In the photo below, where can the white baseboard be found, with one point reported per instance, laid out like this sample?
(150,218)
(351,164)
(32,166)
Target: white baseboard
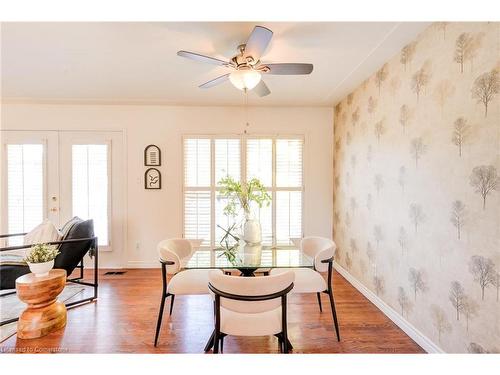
(427,344)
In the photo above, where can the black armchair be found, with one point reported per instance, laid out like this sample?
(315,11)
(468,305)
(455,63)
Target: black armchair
(78,242)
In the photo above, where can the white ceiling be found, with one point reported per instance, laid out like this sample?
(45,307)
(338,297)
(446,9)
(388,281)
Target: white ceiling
(137,62)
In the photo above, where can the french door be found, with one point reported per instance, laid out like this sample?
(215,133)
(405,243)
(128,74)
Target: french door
(30,180)
(57,175)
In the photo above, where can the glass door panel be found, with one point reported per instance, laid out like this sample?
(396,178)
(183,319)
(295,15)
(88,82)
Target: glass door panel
(29,181)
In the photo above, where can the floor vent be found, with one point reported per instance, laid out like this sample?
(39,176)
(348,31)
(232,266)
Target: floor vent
(115,273)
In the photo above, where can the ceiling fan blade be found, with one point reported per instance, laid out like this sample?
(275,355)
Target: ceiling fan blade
(202,58)
(261,89)
(215,81)
(289,68)
(257,42)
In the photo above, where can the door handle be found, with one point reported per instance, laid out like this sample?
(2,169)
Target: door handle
(53,209)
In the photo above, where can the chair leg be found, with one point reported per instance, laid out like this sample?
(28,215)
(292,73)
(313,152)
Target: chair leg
(285,342)
(160,316)
(284,324)
(210,342)
(334,313)
(216,343)
(280,342)
(172,303)
(319,301)
(222,344)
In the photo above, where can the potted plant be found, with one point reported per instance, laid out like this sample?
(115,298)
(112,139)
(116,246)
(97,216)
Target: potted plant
(240,196)
(40,259)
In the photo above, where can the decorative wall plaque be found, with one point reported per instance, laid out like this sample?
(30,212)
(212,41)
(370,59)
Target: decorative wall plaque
(152,179)
(152,156)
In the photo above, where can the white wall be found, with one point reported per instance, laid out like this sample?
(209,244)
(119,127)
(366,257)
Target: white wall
(155,215)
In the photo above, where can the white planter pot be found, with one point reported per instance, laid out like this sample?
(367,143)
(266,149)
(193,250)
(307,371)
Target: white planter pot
(41,269)
(252,232)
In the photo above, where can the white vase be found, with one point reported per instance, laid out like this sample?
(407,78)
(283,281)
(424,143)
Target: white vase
(252,232)
(41,269)
(252,254)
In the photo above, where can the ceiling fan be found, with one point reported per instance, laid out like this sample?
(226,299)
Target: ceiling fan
(247,69)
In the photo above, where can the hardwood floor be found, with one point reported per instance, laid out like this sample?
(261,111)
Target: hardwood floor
(124,317)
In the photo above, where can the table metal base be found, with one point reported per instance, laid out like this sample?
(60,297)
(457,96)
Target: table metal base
(247,272)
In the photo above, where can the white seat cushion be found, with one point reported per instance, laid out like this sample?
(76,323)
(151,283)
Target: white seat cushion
(250,324)
(189,282)
(307,280)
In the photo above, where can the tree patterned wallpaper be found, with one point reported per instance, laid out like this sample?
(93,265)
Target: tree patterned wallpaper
(417,186)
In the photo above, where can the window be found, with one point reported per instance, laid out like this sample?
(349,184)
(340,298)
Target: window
(197,193)
(276,162)
(288,196)
(25,190)
(90,191)
(260,160)
(227,159)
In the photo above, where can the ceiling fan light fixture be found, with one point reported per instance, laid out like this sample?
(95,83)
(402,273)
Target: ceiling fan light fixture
(246,67)
(245,79)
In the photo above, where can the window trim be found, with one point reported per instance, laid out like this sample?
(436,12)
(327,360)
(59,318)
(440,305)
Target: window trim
(243,174)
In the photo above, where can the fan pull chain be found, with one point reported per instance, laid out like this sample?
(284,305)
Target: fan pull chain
(247,124)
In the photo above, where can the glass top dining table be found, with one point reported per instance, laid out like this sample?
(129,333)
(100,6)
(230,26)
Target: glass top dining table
(248,257)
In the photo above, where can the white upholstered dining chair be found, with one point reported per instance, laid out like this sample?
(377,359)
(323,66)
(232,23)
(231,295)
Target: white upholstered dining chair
(250,306)
(307,280)
(174,254)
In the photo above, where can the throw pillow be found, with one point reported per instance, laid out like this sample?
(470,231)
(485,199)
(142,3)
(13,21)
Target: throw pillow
(43,233)
(73,252)
(69,224)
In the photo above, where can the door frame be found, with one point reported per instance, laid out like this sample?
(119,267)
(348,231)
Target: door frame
(108,259)
(113,256)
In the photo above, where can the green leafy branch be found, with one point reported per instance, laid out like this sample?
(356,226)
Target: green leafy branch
(229,248)
(242,194)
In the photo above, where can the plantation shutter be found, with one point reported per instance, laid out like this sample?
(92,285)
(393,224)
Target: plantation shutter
(227,159)
(289,190)
(276,162)
(260,160)
(90,191)
(197,193)
(260,165)
(289,163)
(197,216)
(197,163)
(25,191)
(227,164)
(288,216)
